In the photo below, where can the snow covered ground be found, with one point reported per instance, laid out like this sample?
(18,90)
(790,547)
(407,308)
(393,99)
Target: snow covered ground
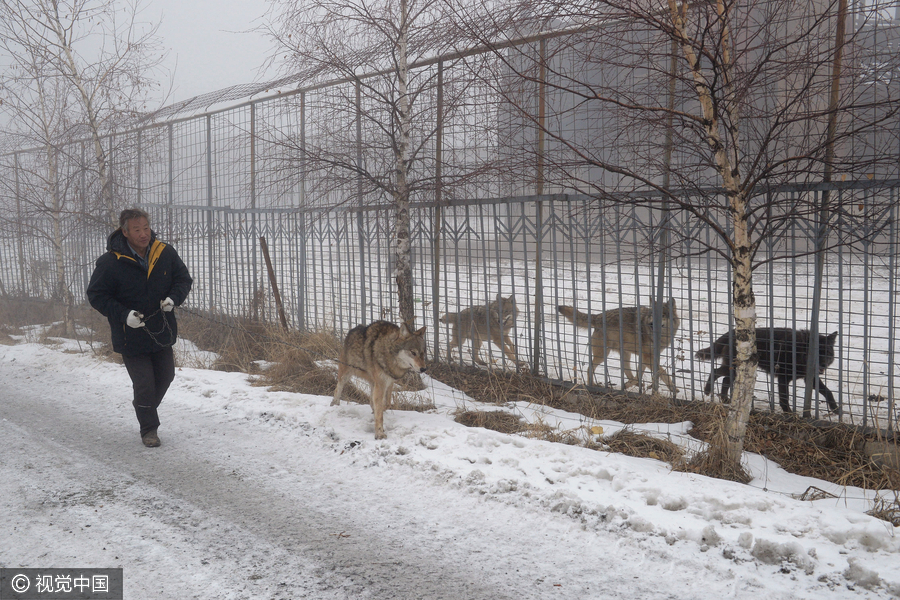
(258,494)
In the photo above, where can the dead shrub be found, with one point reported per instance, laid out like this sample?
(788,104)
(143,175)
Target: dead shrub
(496,420)
(548,433)
(495,386)
(639,445)
(887,509)
(18,312)
(295,356)
(237,342)
(411,402)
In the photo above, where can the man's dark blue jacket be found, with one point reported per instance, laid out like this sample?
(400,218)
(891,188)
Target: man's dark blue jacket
(120,284)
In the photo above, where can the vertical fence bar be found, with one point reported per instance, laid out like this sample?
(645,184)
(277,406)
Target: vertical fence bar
(253,227)
(892,327)
(138,179)
(438,210)
(823,212)
(664,257)
(85,234)
(20,223)
(539,210)
(210,216)
(301,271)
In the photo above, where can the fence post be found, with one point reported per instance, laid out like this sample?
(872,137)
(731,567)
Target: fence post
(301,275)
(273,282)
(302,169)
(664,223)
(539,209)
(823,213)
(254,217)
(438,210)
(359,202)
(139,192)
(210,223)
(20,221)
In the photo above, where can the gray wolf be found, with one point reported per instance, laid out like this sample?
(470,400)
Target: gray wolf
(628,331)
(381,353)
(492,322)
(783,353)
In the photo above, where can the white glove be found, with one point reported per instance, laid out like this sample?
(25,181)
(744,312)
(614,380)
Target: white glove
(134,319)
(167,305)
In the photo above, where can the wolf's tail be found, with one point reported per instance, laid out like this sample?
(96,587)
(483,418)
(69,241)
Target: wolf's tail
(580,319)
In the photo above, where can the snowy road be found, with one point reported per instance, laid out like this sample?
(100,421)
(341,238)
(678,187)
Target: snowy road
(271,495)
(214,513)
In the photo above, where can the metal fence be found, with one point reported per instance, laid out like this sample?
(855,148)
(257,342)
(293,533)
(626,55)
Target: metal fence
(334,271)
(490,214)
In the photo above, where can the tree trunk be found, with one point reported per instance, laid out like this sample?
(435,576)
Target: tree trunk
(401,242)
(722,138)
(746,358)
(63,292)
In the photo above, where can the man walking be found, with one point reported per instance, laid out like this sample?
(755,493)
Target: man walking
(135,285)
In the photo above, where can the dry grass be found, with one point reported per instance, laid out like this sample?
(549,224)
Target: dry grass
(238,342)
(294,357)
(887,509)
(16,313)
(643,446)
(496,386)
(496,420)
(832,453)
(714,461)
(508,423)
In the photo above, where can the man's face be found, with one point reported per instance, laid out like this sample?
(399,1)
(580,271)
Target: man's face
(137,232)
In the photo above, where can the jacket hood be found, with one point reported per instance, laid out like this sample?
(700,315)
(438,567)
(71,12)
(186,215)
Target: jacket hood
(116,242)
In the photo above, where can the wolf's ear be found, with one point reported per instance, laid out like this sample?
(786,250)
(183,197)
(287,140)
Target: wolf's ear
(404,330)
(420,332)
(832,337)
(511,299)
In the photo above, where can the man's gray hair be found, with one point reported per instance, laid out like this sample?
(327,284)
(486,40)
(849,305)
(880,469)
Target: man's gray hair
(132,213)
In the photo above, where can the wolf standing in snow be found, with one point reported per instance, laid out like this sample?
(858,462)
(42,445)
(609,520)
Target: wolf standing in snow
(381,353)
(628,331)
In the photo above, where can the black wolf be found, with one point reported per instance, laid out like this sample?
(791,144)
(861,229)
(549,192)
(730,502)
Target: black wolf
(783,354)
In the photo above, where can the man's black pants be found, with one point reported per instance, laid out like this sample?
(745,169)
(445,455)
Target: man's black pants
(150,375)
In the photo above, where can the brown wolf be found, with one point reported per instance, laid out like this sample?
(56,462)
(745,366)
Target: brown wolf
(628,332)
(380,353)
(492,322)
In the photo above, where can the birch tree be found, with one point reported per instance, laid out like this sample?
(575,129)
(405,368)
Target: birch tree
(103,53)
(760,98)
(72,70)
(370,46)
